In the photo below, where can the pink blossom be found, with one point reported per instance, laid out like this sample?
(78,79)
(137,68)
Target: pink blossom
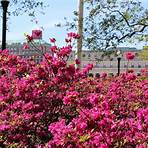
(68,40)
(77,61)
(29,38)
(4,127)
(81,126)
(64,51)
(36,34)
(56,104)
(52,40)
(130,55)
(73,35)
(104,75)
(26,46)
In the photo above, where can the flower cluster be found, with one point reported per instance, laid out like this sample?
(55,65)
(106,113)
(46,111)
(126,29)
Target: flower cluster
(54,104)
(31,94)
(130,55)
(111,113)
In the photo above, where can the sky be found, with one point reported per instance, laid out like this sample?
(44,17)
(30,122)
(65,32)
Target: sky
(54,13)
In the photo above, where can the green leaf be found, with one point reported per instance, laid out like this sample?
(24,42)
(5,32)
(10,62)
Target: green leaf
(84,138)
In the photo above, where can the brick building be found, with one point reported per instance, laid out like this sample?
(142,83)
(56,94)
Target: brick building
(102,63)
(32,52)
(108,63)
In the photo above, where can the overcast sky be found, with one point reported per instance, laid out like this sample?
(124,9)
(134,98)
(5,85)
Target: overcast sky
(55,13)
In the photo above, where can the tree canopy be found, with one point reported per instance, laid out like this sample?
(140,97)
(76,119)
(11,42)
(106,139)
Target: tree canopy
(30,7)
(110,22)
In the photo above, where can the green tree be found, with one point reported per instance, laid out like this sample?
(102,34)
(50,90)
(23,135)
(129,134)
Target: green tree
(108,23)
(144,53)
(30,7)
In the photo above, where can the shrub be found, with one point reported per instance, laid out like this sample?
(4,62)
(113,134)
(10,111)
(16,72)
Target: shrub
(53,104)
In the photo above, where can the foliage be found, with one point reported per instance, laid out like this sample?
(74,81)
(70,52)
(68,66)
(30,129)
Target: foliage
(112,113)
(30,7)
(108,23)
(53,104)
(31,95)
(144,53)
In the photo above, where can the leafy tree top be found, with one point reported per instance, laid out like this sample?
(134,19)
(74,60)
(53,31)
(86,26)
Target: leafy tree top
(108,23)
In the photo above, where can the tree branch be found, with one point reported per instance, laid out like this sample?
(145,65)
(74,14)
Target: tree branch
(133,33)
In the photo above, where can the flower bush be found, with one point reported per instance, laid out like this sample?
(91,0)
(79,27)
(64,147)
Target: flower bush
(31,95)
(53,104)
(111,113)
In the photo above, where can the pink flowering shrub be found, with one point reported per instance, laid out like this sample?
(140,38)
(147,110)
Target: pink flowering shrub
(53,104)
(31,95)
(111,113)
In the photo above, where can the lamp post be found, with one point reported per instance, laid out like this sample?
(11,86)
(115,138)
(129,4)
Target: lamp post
(4,4)
(119,60)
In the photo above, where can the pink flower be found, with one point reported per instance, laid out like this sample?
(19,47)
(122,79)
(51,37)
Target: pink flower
(67,100)
(130,71)
(29,38)
(104,75)
(95,114)
(77,61)
(81,126)
(68,40)
(131,76)
(130,55)
(144,72)
(94,98)
(36,34)
(73,35)
(89,66)
(26,46)
(52,40)
(141,146)
(4,127)
(70,97)
(53,48)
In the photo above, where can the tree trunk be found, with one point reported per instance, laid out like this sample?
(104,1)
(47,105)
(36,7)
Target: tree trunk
(80,30)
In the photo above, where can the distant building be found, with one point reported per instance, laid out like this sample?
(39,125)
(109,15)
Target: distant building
(108,63)
(35,51)
(102,63)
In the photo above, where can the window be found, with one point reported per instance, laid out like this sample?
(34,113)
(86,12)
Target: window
(97,75)
(146,65)
(132,65)
(95,55)
(91,75)
(111,65)
(97,65)
(83,55)
(84,65)
(104,66)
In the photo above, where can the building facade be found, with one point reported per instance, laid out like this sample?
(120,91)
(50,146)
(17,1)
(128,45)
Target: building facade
(102,62)
(34,51)
(108,63)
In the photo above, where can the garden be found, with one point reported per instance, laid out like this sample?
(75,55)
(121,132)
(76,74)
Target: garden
(54,104)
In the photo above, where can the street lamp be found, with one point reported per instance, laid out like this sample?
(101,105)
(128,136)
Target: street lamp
(4,4)
(119,60)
